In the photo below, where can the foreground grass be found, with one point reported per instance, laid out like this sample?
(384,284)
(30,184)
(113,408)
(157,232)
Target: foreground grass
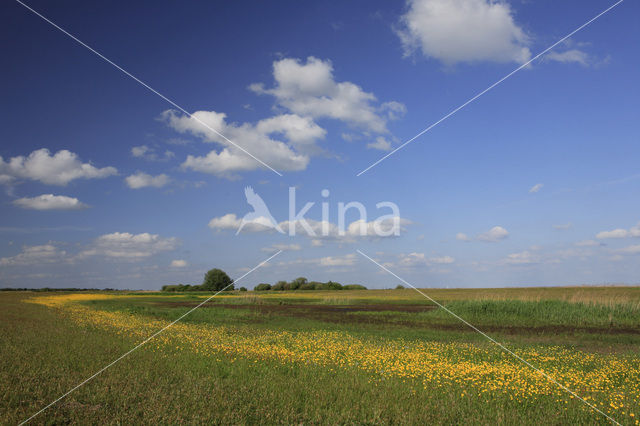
(267,372)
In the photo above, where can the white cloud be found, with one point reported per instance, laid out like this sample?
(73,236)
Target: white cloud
(634,231)
(347,260)
(442,260)
(318,231)
(494,235)
(50,202)
(179,263)
(260,140)
(284,247)
(309,89)
(231,222)
(631,250)
(35,255)
(616,233)
(381,144)
(420,259)
(126,246)
(148,153)
(522,258)
(328,261)
(535,188)
(143,180)
(322,230)
(461,236)
(454,31)
(228,221)
(58,169)
(569,56)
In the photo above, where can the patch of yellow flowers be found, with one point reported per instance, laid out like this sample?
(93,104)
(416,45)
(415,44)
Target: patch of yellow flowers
(610,382)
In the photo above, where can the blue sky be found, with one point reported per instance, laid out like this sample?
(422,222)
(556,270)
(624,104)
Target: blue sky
(105,184)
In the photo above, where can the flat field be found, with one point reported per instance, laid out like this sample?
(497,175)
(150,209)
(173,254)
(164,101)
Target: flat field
(374,356)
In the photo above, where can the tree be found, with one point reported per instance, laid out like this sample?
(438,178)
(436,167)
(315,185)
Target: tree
(243,289)
(216,280)
(280,285)
(297,283)
(262,287)
(334,286)
(353,287)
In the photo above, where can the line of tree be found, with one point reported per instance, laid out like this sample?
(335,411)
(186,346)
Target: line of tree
(218,280)
(301,283)
(214,280)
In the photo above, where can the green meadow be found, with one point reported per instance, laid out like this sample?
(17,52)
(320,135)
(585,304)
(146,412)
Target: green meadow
(374,357)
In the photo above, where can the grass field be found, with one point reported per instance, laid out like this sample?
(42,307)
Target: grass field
(375,356)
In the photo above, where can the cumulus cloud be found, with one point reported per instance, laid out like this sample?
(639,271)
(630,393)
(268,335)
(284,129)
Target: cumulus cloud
(461,236)
(150,154)
(281,247)
(310,89)
(630,250)
(569,56)
(143,180)
(380,144)
(327,261)
(420,259)
(231,222)
(523,258)
(615,233)
(454,31)
(535,188)
(284,142)
(179,263)
(35,255)
(347,260)
(495,234)
(318,230)
(378,228)
(58,169)
(126,246)
(50,202)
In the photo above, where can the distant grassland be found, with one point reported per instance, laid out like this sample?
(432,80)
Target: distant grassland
(375,356)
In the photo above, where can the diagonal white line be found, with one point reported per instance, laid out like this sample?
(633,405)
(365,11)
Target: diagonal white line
(128,74)
(148,339)
(491,87)
(492,340)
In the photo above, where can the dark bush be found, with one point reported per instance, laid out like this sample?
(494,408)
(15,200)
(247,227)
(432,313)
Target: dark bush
(262,287)
(353,287)
(279,286)
(334,286)
(217,280)
(307,286)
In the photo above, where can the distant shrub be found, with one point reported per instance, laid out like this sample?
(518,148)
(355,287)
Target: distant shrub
(262,287)
(353,287)
(333,286)
(243,289)
(399,287)
(307,286)
(279,286)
